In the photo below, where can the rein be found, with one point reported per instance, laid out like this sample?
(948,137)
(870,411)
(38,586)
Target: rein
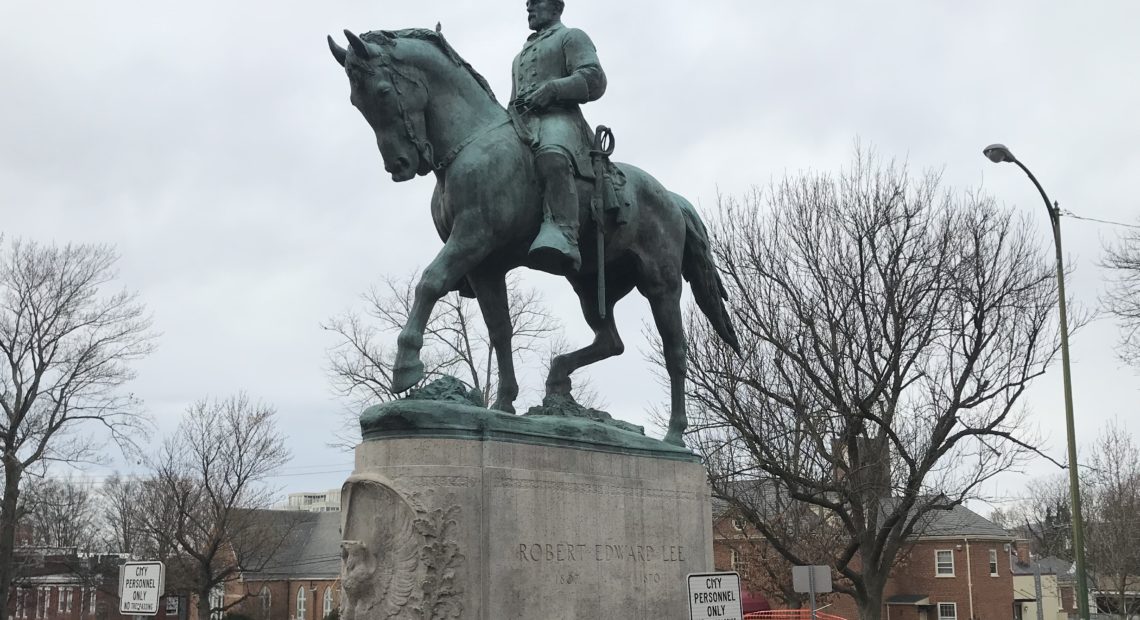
(453,153)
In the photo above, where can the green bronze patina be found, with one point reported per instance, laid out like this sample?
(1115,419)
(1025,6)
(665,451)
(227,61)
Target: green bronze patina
(431,112)
(452,420)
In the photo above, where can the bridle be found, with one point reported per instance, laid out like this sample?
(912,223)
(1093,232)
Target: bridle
(424,147)
(379,63)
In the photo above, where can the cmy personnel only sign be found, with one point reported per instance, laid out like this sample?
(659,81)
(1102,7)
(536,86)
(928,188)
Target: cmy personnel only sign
(715,596)
(141,585)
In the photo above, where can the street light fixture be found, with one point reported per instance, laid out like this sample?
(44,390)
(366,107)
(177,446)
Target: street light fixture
(998,153)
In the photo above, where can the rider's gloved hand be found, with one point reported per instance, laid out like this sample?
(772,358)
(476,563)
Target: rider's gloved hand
(544,96)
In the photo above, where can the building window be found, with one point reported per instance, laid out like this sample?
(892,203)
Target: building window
(172,606)
(217,602)
(738,524)
(91,601)
(266,601)
(70,593)
(300,603)
(59,594)
(328,603)
(739,564)
(993,563)
(948,611)
(20,595)
(944,563)
(43,601)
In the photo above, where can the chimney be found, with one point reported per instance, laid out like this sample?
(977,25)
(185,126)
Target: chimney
(1022,552)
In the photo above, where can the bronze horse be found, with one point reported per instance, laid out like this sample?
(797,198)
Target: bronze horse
(433,113)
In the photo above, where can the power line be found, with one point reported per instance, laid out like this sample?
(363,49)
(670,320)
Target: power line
(1068,213)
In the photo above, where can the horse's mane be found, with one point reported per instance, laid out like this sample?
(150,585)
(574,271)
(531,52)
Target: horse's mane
(437,39)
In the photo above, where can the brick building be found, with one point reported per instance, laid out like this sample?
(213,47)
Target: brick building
(303,580)
(56,584)
(960,568)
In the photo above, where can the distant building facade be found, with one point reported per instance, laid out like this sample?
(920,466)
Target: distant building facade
(1056,585)
(324,501)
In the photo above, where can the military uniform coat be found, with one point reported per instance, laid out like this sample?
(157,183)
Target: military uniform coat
(567,58)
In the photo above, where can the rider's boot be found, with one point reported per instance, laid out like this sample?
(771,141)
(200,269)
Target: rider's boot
(555,249)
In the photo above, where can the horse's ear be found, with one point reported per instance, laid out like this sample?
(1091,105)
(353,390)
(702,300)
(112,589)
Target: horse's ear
(338,52)
(358,45)
(438,28)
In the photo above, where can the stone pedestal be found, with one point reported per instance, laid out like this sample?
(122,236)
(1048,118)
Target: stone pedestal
(498,528)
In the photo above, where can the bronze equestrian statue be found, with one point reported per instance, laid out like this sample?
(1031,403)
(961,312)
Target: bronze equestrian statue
(502,190)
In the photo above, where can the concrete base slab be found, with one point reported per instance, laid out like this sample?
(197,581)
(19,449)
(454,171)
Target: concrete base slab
(497,530)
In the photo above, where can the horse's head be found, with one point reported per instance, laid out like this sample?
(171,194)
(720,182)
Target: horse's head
(393,100)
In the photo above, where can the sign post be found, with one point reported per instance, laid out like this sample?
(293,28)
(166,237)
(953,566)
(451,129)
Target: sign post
(715,596)
(141,585)
(811,579)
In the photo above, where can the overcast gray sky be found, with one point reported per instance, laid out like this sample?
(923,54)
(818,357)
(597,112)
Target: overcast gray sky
(213,144)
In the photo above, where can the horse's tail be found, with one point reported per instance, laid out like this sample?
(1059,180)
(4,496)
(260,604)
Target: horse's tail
(698,268)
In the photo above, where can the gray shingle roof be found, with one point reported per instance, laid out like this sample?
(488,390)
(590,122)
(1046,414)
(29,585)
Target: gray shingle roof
(1049,566)
(958,521)
(312,550)
(961,521)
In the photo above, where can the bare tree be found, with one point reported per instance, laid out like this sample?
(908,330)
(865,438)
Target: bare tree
(1045,516)
(1123,296)
(120,522)
(205,503)
(888,329)
(455,343)
(1113,540)
(66,345)
(61,513)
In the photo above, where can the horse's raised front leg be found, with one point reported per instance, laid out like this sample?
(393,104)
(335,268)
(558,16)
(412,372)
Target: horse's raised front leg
(458,257)
(666,306)
(491,291)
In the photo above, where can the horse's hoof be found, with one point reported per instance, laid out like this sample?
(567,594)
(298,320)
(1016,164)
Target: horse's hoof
(504,406)
(405,377)
(675,438)
(558,387)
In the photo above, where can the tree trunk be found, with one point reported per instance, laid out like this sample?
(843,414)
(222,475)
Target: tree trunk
(8,521)
(204,604)
(871,609)
(871,605)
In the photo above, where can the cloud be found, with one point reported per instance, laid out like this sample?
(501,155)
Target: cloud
(213,144)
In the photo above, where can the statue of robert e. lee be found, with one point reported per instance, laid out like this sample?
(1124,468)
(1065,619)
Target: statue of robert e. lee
(556,71)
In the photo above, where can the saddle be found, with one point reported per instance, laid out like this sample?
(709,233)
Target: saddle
(608,180)
(615,198)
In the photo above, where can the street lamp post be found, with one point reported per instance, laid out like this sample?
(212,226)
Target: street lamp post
(998,153)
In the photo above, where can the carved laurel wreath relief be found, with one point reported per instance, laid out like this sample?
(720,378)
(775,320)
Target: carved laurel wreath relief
(399,561)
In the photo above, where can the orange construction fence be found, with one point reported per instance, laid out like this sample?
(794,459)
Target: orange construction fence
(790,614)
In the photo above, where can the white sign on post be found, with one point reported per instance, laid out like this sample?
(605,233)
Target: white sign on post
(715,596)
(140,587)
(811,578)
